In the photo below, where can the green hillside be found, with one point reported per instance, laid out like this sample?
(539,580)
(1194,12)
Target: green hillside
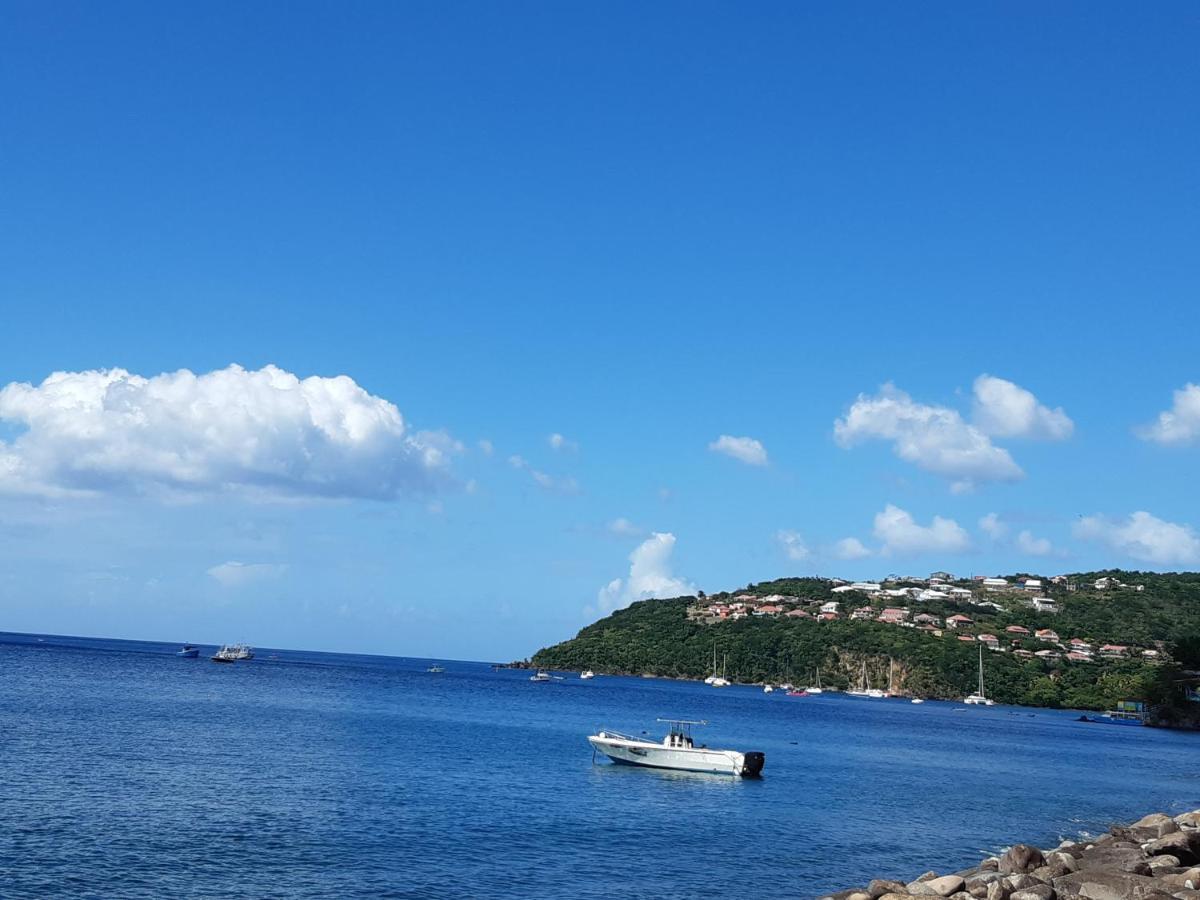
(657,637)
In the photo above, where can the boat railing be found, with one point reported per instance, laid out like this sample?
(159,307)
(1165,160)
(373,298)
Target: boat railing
(608,732)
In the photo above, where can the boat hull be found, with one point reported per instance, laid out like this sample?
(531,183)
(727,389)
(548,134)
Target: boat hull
(189,654)
(692,759)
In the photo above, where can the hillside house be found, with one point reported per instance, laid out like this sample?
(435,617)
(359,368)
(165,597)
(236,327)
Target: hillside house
(927,619)
(893,616)
(1023,654)
(1079,645)
(959,621)
(995,584)
(1114,651)
(941,576)
(1044,605)
(931,594)
(990,641)
(967,638)
(1032,584)
(1106,583)
(1075,656)
(1048,654)
(1047,635)
(831,607)
(1017,629)
(828,617)
(768,609)
(1151,654)
(863,612)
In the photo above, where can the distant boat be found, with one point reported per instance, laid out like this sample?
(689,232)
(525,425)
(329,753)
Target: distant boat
(435,669)
(587,674)
(188,652)
(816,689)
(864,688)
(979,698)
(767,689)
(917,700)
(676,751)
(1128,712)
(226,654)
(714,679)
(794,693)
(542,676)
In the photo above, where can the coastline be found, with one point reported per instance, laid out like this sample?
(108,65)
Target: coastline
(1154,858)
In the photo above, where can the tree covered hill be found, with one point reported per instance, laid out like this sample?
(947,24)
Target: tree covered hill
(657,637)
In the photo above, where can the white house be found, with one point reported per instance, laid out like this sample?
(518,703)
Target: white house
(995,584)
(831,607)
(1045,604)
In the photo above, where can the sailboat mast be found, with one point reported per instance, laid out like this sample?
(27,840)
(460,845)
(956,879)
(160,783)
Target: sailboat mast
(981,670)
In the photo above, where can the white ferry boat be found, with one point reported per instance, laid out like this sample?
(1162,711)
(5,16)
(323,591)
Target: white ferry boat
(677,751)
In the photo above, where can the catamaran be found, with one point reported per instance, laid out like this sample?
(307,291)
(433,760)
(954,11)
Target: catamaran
(864,689)
(714,679)
(979,698)
(676,751)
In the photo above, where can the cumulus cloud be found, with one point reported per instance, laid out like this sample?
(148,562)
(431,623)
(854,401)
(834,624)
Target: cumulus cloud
(649,576)
(1143,537)
(792,544)
(1034,546)
(743,449)
(238,574)
(993,527)
(547,482)
(486,447)
(1004,409)
(558,443)
(902,535)
(934,438)
(266,433)
(850,548)
(1181,423)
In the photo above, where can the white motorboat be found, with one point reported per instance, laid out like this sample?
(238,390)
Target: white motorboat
(979,698)
(542,676)
(435,669)
(767,689)
(588,674)
(226,654)
(676,751)
(241,651)
(917,700)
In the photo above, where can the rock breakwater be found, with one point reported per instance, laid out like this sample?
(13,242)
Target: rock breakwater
(1155,858)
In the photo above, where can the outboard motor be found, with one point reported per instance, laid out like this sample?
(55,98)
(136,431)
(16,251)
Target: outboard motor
(752,764)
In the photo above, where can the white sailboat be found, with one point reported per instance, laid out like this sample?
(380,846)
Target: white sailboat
(676,751)
(864,689)
(979,698)
(718,680)
(817,689)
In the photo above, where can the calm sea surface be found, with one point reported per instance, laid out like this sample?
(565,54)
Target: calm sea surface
(126,772)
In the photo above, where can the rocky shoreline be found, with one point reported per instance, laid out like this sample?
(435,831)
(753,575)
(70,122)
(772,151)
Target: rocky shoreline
(1155,858)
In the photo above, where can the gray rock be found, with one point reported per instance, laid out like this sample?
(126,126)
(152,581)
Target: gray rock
(978,890)
(1100,885)
(880,886)
(1038,892)
(1118,860)
(1167,827)
(998,890)
(1152,821)
(936,887)
(1186,894)
(1050,871)
(1020,882)
(1184,845)
(928,876)
(1164,861)
(1061,858)
(1188,819)
(903,896)
(859,895)
(984,878)
(1020,858)
(991,864)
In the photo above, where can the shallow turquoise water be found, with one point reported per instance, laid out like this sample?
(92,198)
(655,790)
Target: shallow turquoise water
(125,771)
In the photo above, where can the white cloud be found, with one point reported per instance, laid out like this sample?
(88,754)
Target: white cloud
(934,438)
(850,548)
(743,449)
(547,482)
(993,527)
(622,527)
(1033,546)
(1004,409)
(558,443)
(239,574)
(792,544)
(901,535)
(649,576)
(265,433)
(1181,423)
(1143,537)
(486,447)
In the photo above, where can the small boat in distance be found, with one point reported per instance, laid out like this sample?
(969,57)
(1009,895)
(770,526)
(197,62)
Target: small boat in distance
(588,673)
(714,679)
(676,751)
(225,654)
(917,700)
(795,693)
(864,688)
(816,689)
(435,669)
(979,698)
(188,652)
(767,688)
(542,676)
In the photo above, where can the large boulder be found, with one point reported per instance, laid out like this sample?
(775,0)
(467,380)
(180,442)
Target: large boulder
(998,890)
(1152,821)
(1021,858)
(881,886)
(937,887)
(1061,858)
(1116,860)
(1188,819)
(1037,892)
(1185,845)
(1097,884)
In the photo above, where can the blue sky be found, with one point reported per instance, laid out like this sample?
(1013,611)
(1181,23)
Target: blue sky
(639,227)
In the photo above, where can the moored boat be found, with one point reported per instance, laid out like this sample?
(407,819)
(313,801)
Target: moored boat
(979,698)
(435,669)
(587,674)
(795,693)
(676,751)
(225,654)
(187,651)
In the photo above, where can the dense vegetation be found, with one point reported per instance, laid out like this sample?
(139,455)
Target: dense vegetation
(656,637)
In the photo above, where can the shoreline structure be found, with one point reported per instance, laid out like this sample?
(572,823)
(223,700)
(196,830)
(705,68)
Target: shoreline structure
(1155,858)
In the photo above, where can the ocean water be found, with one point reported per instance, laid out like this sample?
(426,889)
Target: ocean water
(126,772)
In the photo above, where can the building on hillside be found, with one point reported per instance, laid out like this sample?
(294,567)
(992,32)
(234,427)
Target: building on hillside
(1105,583)
(863,612)
(1023,654)
(1076,656)
(930,594)
(959,621)
(894,616)
(926,619)
(831,607)
(990,641)
(828,617)
(868,587)
(798,614)
(768,609)
(1017,629)
(1048,654)
(1044,604)
(1047,635)
(967,638)
(1151,654)
(940,576)
(1080,644)
(959,593)
(1032,584)
(1114,651)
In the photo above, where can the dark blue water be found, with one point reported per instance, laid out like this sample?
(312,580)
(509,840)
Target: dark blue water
(127,772)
